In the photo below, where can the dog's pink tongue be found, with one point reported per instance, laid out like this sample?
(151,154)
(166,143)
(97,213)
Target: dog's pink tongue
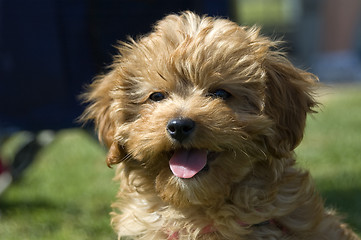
(187,163)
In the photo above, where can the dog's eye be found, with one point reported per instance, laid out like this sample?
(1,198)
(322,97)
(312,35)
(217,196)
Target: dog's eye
(157,96)
(220,93)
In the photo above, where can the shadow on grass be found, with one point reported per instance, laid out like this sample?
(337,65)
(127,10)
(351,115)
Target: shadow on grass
(7,207)
(37,217)
(347,203)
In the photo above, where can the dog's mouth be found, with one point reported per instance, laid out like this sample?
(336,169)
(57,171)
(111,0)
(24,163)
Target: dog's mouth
(186,163)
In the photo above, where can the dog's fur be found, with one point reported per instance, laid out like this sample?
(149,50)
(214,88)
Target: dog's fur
(250,188)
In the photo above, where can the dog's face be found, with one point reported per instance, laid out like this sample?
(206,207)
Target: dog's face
(193,107)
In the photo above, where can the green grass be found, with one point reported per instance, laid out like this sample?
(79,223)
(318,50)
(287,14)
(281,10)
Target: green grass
(266,13)
(331,149)
(66,193)
(260,11)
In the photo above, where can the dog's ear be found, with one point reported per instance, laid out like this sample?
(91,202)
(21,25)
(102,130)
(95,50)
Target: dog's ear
(99,110)
(116,154)
(288,98)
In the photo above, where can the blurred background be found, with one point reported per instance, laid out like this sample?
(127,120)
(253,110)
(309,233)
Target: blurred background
(54,183)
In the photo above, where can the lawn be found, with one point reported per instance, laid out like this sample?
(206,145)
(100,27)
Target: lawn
(66,193)
(332,150)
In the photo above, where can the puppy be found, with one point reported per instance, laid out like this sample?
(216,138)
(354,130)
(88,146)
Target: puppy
(202,116)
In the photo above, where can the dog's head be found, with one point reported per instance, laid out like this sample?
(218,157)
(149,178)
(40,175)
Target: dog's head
(192,106)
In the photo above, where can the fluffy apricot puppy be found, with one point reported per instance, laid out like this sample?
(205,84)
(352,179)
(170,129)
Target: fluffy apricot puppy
(202,117)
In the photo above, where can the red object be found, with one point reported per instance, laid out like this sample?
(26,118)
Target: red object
(3,168)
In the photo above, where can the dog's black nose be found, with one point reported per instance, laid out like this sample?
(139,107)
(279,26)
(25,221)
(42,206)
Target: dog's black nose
(180,128)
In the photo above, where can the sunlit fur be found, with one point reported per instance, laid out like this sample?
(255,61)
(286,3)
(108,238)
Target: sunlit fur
(253,177)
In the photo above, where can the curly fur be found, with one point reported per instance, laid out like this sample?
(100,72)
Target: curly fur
(253,177)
